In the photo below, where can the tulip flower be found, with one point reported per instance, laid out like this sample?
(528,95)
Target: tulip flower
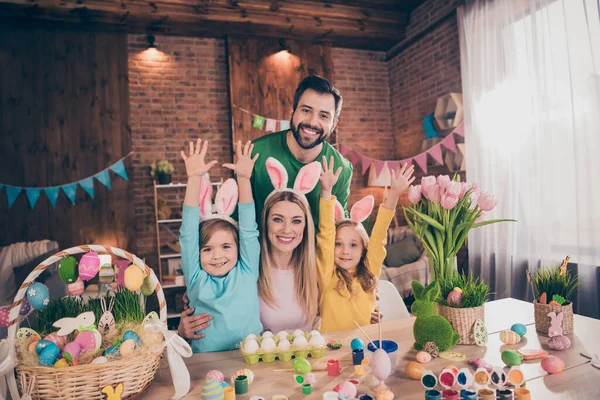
(487,201)
(414,194)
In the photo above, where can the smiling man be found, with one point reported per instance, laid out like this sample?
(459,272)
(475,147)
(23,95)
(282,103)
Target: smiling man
(317,106)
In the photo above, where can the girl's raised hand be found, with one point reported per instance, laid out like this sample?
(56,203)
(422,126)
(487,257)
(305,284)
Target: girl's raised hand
(245,164)
(328,177)
(402,178)
(194,163)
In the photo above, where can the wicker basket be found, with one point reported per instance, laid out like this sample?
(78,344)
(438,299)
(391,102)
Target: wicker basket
(542,320)
(85,382)
(462,320)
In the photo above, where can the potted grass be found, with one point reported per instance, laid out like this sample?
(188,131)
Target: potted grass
(461,302)
(162,170)
(552,290)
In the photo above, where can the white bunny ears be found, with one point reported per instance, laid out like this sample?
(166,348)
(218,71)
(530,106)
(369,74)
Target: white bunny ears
(305,182)
(359,212)
(225,200)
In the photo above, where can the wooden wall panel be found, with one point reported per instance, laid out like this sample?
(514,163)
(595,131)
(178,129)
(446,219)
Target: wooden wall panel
(263,79)
(63,117)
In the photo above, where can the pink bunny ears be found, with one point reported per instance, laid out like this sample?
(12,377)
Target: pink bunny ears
(305,182)
(225,200)
(359,212)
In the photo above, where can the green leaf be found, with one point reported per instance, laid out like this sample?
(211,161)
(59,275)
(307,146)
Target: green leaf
(492,221)
(427,219)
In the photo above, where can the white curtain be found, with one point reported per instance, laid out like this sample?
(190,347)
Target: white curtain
(531,84)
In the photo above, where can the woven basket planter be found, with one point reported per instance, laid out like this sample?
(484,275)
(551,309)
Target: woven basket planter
(542,320)
(85,382)
(462,320)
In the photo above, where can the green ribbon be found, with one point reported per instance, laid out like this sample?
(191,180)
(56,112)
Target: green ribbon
(87,328)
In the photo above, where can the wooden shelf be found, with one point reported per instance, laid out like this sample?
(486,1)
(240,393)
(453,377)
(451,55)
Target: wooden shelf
(171,286)
(171,255)
(168,221)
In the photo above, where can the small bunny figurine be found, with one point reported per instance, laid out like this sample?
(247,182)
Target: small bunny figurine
(107,320)
(27,387)
(113,393)
(555,324)
(428,326)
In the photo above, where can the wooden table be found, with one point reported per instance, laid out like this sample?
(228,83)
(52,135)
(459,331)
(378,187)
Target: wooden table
(578,381)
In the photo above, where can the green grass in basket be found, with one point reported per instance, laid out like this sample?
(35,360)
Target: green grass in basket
(127,306)
(55,310)
(551,282)
(475,291)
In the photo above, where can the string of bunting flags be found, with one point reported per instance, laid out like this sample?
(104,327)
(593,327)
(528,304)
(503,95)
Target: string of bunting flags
(420,159)
(69,189)
(268,124)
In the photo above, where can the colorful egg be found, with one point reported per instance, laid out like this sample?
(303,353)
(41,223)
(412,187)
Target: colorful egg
(106,274)
(559,343)
(132,335)
(216,375)
(100,360)
(4,312)
(26,333)
(67,270)
(381,364)
(112,351)
(151,315)
(25,306)
(42,344)
(480,333)
(348,389)
(414,370)
(49,355)
(301,365)
(212,390)
(134,277)
(127,347)
(509,337)
(423,357)
(454,297)
(552,364)
(89,340)
(519,329)
(147,286)
(121,275)
(62,363)
(77,288)
(89,265)
(57,340)
(511,358)
(71,350)
(245,372)
(38,295)
(357,344)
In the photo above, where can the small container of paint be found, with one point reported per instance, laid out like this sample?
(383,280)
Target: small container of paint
(333,367)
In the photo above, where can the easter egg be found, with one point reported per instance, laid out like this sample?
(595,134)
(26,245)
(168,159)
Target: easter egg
(267,334)
(251,336)
(282,335)
(42,344)
(38,295)
(57,340)
(519,329)
(552,364)
(26,333)
(511,358)
(88,340)
(147,286)
(72,350)
(317,341)
(32,346)
(357,344)
(268,344)
(300,342)
(134,277)
(67,270)
(454,297)
(112,351)
(25,306)
(414,370)
(212,390)
(250,346)
(480,333)
(89,265)
(49,355)
(132,335)
(509,337)
(62,363)
(121,275)
(559,343)
(284,345)
(423,357)
(216,375)
(301,365)
(246,372)
(100,360)
(151,315)
(4,312)
(127,347)
(348,389)
(381,364)
(106,274)
(76,288)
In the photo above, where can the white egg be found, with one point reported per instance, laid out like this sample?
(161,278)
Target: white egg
(282,335)
(317,341)
(298,332)
(284,345)
(300,342)
(250,346)
(267,334)
(251,336)
(268,344)
(315,332)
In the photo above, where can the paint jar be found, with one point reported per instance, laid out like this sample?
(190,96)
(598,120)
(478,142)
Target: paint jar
(330,395)
(522,394)
(433,395)
(307,388)
(390,347)
(333,367)
(450,394)
(357,356)
(359,370)
(504,394)
(468,395)
(279,397)
(241,384)
(229,393)
(486,394)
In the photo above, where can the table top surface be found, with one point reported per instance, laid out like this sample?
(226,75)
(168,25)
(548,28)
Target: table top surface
(579,380)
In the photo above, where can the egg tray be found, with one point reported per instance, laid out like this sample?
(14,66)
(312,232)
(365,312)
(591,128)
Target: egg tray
(283,356)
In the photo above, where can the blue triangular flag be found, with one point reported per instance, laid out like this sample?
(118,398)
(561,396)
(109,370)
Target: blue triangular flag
(33,194)
(284,124)
(11,194)
(104,178)
(119,169)
(52,193)
(71,191)
(430,131)
(88,186)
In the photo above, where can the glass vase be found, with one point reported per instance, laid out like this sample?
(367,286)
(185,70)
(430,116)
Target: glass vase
(441,268)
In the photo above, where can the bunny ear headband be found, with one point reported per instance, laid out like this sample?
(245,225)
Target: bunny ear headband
(359,212)
(305,182)
(225,200)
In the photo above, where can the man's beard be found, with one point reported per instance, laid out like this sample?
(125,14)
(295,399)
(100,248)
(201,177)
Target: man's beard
(307,143)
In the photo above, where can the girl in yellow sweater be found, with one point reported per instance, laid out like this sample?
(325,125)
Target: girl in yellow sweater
(348,262)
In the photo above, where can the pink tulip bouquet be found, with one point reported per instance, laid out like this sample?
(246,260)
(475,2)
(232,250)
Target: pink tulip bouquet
(442,214)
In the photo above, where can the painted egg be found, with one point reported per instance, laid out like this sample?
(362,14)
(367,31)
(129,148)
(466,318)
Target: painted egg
(559,343)
(147,286)
(216,375)
(511,358)
(89,265)
(25,306)
(300,342)
(498,377)
(414,370)
(62,363)
(317,341)
(268,344)
(42,344)
(357,344)
(151,315)
(100,360)
(519,329)
(87,340)
(381,364)
(38,295)
(250,346)
(121,275)
(480,333)
(67,270)
(127,347)
(26,333)
(72,350)
(112,351)
(4,312)
(465,378)
(284,345)
(447,378)
(552,364)
(454,297)
(423,357)
(77,288)
(134,277)
(348,389)
(132,335)
(57,340)
(49,355)
(106,274)
(282,335)
(267,334)
(509,337)
(246,372)
(298,332)
(301,365)
(32,346)
(212,390)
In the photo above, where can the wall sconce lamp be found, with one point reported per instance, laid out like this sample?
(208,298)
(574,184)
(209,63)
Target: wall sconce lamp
(151,44)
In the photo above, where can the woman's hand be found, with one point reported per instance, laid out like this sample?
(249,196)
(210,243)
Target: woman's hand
(194,163)
(190,324)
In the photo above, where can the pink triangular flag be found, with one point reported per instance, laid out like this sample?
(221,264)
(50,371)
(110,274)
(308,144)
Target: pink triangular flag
(460,130)
(344,149)
(271,125)
(356,157)
(393,165)
(378,167)
(366,163)
(450,143)
(436,153)
(421,161)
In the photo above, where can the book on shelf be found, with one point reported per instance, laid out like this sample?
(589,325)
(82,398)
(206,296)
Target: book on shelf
(173,280)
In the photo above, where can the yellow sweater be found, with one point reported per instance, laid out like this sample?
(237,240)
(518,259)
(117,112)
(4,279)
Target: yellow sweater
(338,309)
